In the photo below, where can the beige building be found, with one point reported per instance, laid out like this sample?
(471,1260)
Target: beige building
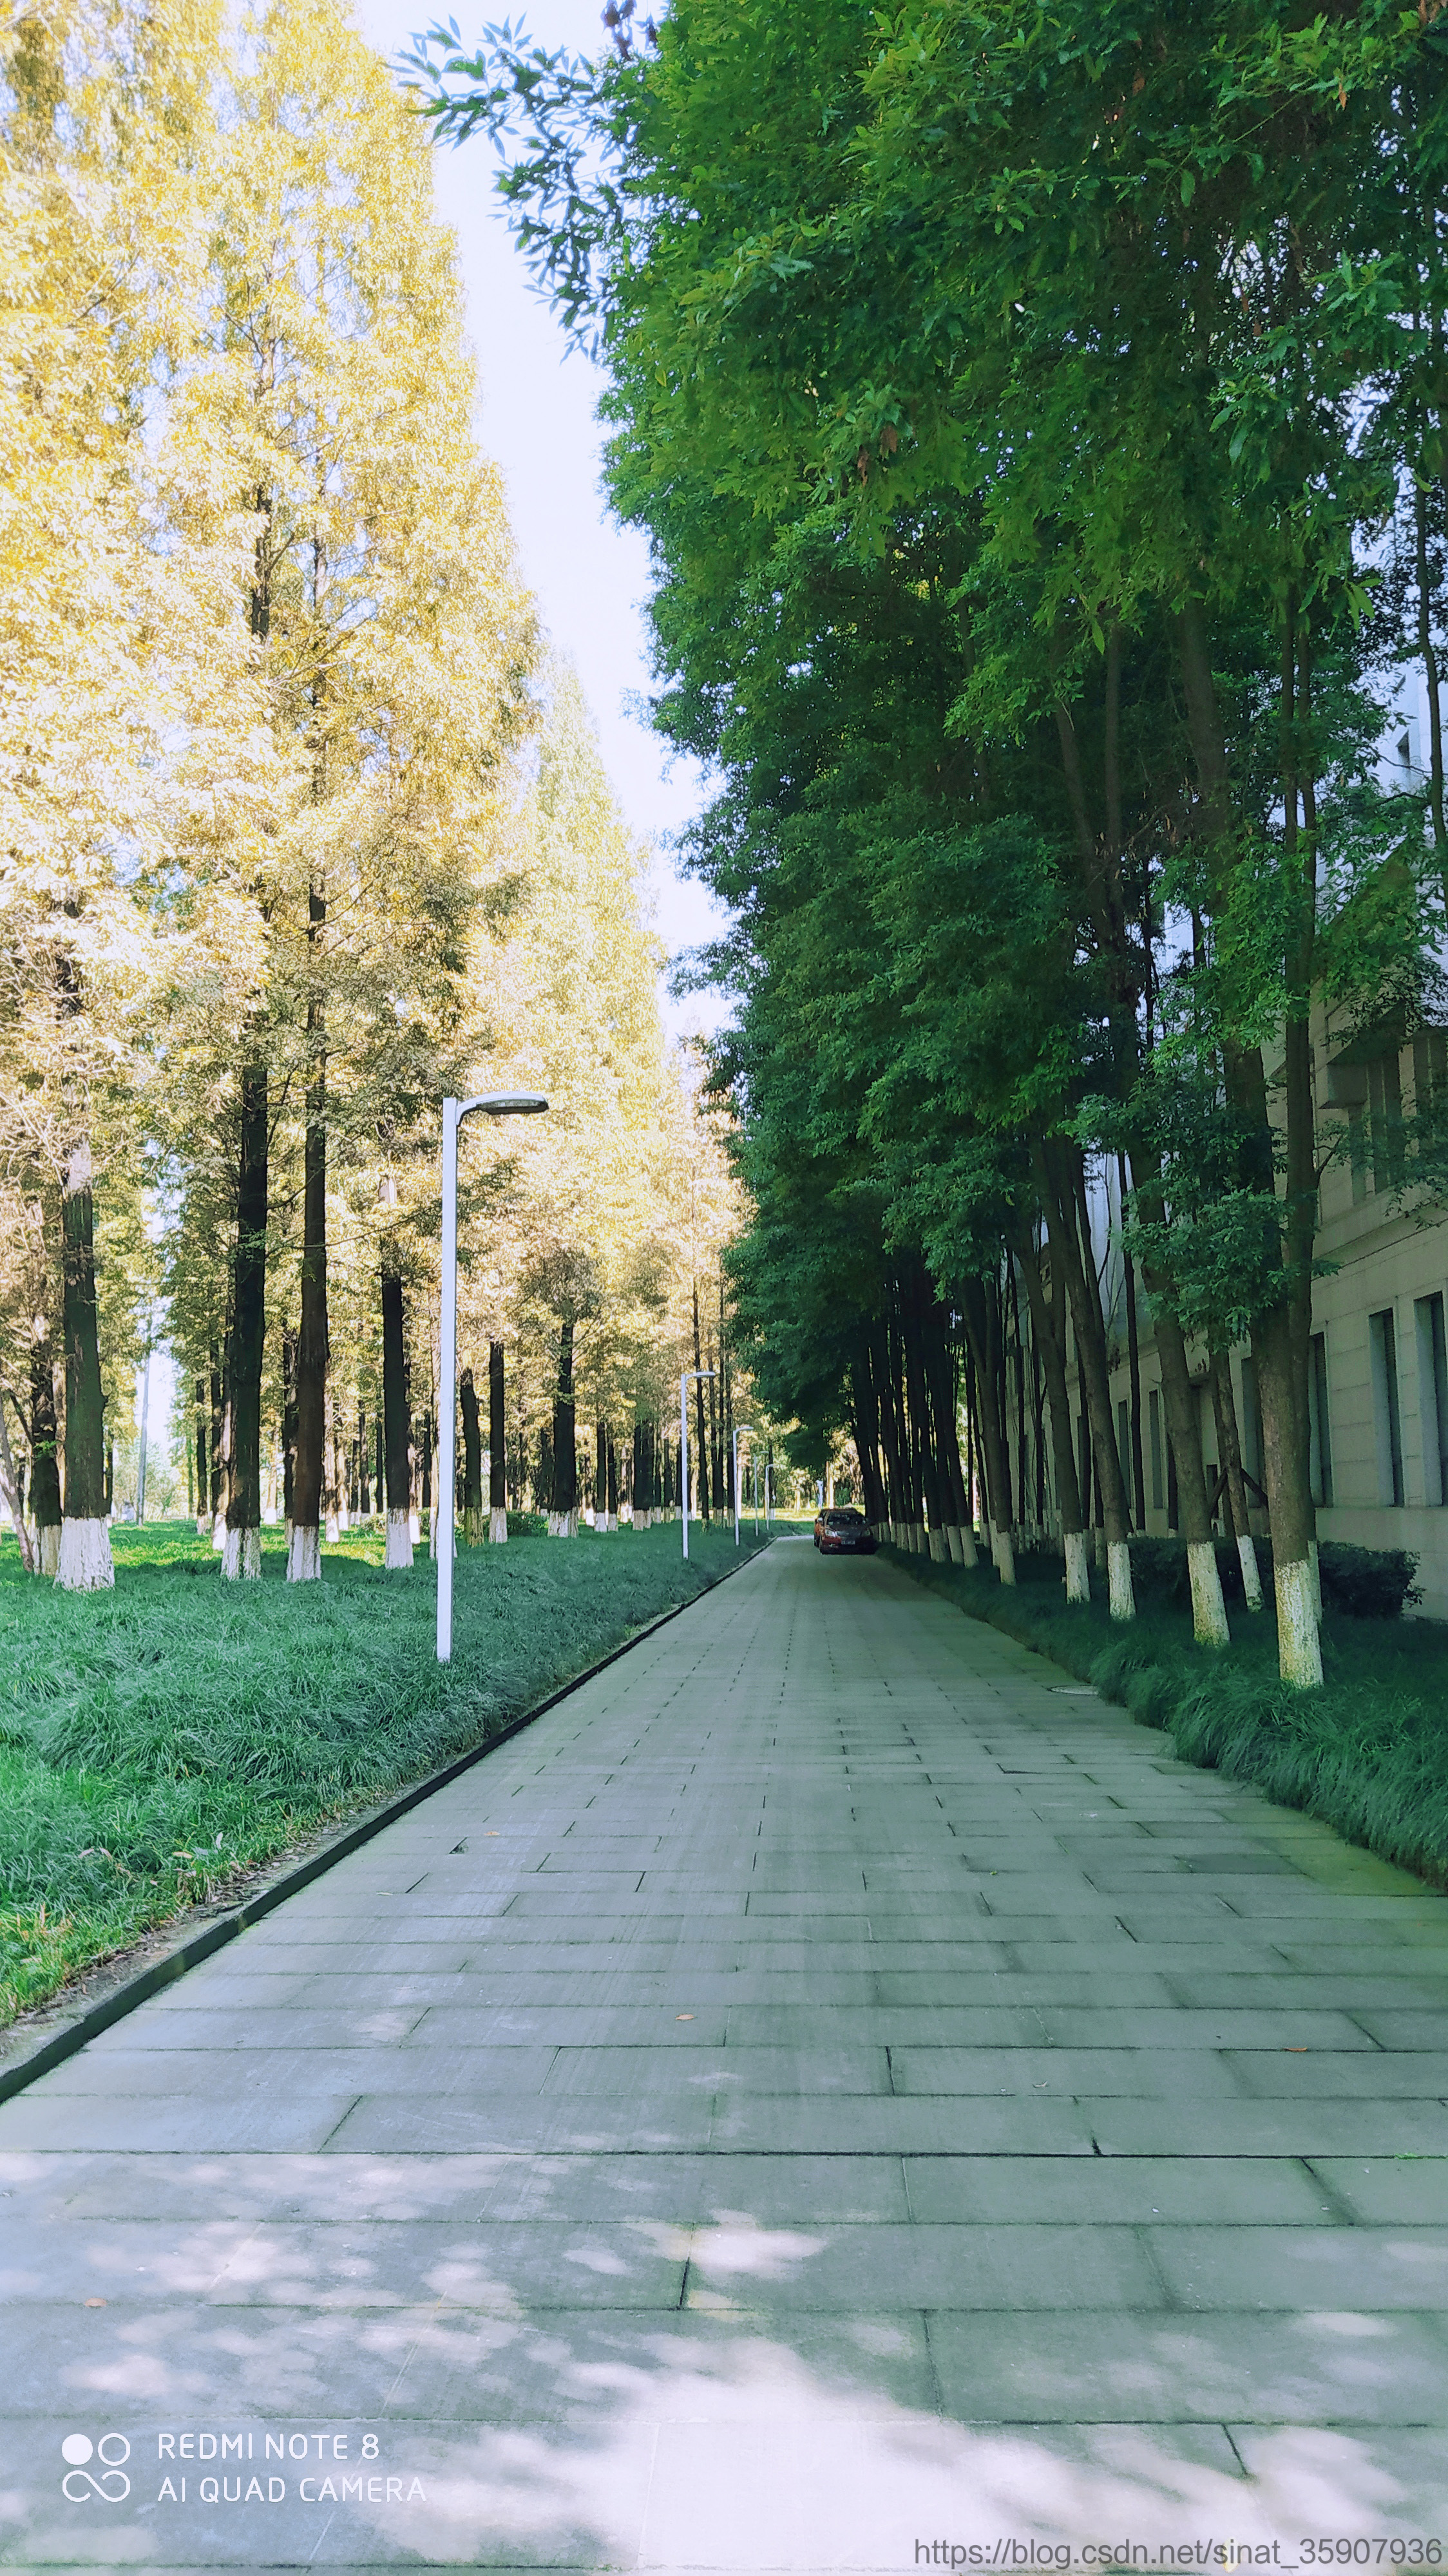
(1379,1363)
(1378,1386)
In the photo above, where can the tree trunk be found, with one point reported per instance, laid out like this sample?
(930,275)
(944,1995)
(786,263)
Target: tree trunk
(1284,1424)
(472,1460)
(1284,1441)
(565,1440)
(1230,1446)
(931,1481)
(10,1495)
(940,1378)
(1133,1353)
(397,1498)
(84,1563)
(241,1556)
(600,1475)
(881,1372)
(497,1448)
(727,1365)
(45,1503)
(1183,1423)
(981,1333)
(202,1446)
(1058,1192)
(304,1557)
(1058,1407)
(289,1429)
(866,1414)
(701,1442)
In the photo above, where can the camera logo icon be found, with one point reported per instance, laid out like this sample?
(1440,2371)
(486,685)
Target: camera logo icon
(109,2483)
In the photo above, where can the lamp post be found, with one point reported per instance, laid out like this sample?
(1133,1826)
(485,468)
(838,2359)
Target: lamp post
(494,1104)
(742,1431)
(686,1380)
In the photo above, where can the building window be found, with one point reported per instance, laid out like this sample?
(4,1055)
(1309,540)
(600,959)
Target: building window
(1430,1066)
(1383,1346)
(1433,1395)
(1319,1438)
(1385,1121)
(1357,1154)
(1153,1428)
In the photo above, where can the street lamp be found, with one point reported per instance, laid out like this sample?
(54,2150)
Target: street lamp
(686,1380)
(494,1104)
(742,1431)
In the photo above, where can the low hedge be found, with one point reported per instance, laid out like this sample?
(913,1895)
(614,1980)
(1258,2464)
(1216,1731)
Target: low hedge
(1368,1752)
(1362,1582)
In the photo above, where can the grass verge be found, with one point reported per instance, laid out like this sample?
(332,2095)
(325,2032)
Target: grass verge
(159,1742)
(1368,1753)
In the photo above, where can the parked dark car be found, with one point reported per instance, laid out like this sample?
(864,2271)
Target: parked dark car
(844,1533)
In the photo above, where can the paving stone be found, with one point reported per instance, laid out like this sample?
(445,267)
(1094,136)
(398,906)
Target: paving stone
(841,2089)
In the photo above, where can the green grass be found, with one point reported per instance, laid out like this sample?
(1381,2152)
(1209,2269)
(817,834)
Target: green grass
(158,1742)
(1368,1752)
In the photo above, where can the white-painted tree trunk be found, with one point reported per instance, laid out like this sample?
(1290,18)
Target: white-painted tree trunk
(1251,1573)
(1299,1638)
(241,1556)
(1003,1550)
(1078,1573)
(343,1521)
(334,1528)
(304,1556)
(399,1540)
(203,1523)
(1120,1594)
(498,1526)
(939,1548)
(1209,1610)
(47,1549)
(83,1561)
(954,1544)
(218,1533)
(966,1536)
(414,1528)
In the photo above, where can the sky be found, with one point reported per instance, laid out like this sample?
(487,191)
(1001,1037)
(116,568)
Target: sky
(536,418)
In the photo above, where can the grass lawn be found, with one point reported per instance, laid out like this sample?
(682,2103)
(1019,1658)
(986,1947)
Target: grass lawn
(158,1742)
(1368,1752)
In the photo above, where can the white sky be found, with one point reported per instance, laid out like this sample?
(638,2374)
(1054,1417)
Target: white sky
(536,417)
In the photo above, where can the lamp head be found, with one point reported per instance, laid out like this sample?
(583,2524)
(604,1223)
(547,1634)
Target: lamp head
(504,1104)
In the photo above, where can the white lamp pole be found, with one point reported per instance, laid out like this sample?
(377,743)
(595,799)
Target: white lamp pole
(742,1431)
(686,1380)
(494,1104)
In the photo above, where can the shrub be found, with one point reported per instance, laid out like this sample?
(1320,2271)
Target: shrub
(1367,1582)
(1362,1582)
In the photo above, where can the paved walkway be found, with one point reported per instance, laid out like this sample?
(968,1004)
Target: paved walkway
(826,2096)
